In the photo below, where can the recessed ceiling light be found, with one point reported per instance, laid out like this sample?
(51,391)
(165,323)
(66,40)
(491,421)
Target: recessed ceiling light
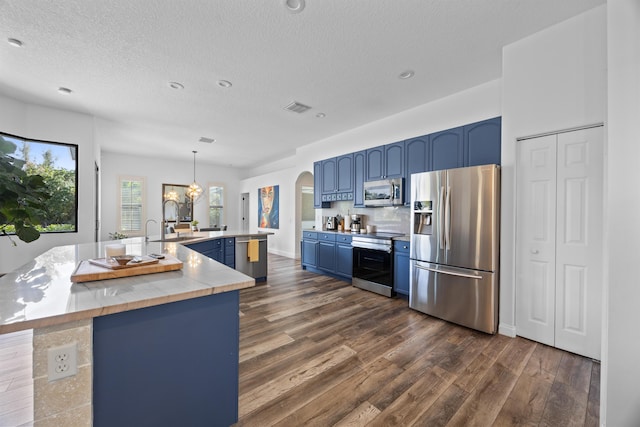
(321,115)
(176,85)
(64,90)
(406,74)
(14,42)
(224,83)
(294,6)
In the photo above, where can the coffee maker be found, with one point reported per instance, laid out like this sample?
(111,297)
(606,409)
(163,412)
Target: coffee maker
(356,223)
(331,223)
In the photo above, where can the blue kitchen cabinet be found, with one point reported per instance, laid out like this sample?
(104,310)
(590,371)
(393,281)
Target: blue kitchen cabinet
(344,255)
(171,364)
(337,178)
(318,201)
(401,267)
(417,155)
(482,142)
(394,160)
(329,173)
(327,251)
(230,252)
(385,161)
(309,249)
(214,249)
(344,173)
(447,149)
(359,162)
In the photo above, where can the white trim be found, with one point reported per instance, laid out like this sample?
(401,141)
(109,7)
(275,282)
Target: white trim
(507,330)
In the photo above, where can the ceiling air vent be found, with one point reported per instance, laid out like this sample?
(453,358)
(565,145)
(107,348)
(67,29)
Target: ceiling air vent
(207,140)
(296,107)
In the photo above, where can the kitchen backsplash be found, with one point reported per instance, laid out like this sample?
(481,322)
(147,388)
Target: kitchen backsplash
(387,219)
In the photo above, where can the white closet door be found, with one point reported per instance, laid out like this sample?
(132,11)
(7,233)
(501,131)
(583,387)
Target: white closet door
(536,239)
(579,241)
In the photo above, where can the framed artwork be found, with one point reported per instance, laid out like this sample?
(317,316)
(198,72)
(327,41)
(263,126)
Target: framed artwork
(268,207)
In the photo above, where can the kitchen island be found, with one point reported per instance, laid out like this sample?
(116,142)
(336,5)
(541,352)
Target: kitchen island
(156,349)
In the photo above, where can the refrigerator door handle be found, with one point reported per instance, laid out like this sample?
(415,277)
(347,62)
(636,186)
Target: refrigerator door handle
(447,220)
(441,209)
(451,273)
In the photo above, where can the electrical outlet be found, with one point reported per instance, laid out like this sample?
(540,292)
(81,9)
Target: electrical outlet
(62,361)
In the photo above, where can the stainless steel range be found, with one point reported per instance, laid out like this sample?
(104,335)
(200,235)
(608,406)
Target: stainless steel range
(373,262)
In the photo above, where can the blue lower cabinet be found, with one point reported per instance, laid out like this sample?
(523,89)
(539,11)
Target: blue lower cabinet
(230,252)
(168,365)
(401,267)
(344,256)
(327,251)
(309,249)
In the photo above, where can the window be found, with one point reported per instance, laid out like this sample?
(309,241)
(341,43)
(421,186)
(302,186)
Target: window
(132,205)
(216,205)
(57,164)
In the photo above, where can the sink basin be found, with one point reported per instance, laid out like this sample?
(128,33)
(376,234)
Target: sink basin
(175,239)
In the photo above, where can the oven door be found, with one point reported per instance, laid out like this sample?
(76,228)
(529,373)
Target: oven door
(373,270)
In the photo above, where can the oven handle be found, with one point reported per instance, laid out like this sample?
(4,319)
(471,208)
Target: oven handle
(373,247)
(451,273)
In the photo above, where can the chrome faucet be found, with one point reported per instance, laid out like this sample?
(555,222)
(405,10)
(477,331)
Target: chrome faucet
(146,229)
(164,228)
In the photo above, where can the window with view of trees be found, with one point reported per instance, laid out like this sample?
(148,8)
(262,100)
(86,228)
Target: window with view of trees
(57,165)
(216,205)
(131,212)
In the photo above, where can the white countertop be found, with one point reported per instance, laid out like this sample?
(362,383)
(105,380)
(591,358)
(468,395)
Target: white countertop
(40,293)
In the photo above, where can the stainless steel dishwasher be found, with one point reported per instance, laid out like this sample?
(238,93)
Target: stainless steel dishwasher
(258,269)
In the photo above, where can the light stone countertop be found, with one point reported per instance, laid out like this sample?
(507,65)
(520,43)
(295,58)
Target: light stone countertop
(40,293)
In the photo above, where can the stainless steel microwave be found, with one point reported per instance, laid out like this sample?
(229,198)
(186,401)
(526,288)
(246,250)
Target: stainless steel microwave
(386,192)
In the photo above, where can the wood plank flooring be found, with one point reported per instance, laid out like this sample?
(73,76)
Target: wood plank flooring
(316,351)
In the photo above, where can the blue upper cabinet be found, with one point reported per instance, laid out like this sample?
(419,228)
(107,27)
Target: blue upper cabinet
(386,161)
(344,176)
(317,187)
(394,160)
(375,163)
(447,149)
(329,176)
(359,162)
(417,155)
(482,142)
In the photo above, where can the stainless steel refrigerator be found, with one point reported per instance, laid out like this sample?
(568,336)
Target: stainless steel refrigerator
(455,245)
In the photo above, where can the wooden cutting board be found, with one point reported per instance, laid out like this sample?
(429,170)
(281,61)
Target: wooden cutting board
(100,269)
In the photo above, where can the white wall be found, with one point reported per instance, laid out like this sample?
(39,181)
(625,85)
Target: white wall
(478,103)
(552,80)
(37,122)
(620,393)
(156,172)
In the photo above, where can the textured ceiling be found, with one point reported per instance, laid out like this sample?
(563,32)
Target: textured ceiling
(341,57)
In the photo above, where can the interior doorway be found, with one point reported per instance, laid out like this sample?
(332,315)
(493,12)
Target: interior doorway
(305,213)
(244,212)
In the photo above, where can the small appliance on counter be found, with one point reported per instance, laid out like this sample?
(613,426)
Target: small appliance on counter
(331,223)
(356,223)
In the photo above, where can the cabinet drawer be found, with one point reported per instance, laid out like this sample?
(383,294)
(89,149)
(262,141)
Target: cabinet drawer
(217,243)
(341,238)
(310,235)
(327,237)
(401,246)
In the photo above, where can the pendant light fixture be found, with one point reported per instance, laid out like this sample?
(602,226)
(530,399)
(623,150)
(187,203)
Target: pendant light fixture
(194,192)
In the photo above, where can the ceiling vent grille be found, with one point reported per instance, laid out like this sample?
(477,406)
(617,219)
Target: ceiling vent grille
(296,107)
(207,140)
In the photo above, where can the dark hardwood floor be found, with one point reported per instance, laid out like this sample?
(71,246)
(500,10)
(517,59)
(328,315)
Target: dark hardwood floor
(316,351)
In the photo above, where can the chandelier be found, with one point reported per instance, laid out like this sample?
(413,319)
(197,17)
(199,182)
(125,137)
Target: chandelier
(194,192)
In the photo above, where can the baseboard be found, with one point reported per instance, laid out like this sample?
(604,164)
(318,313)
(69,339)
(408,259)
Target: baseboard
(507,330)
(282,253)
